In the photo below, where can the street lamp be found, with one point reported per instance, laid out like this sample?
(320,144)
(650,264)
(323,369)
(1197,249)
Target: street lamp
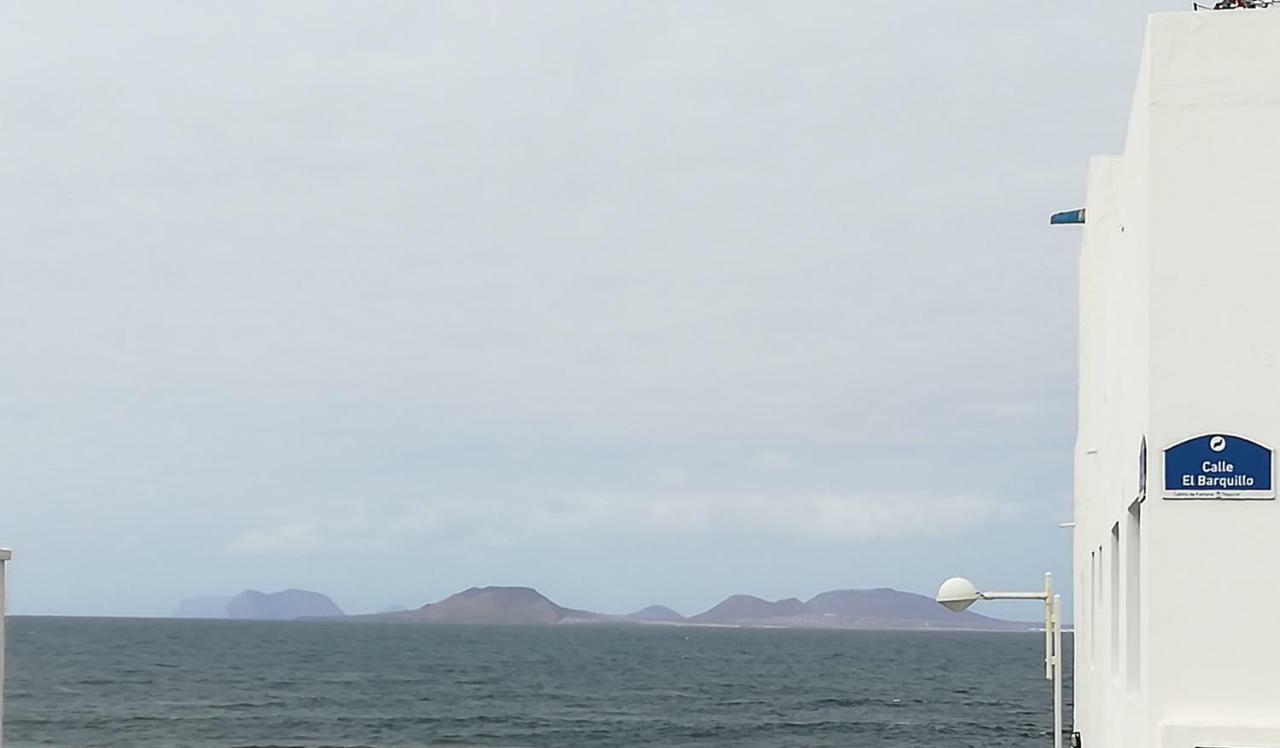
(957,594)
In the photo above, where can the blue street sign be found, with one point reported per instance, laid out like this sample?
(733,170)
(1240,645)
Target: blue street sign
(1218,466)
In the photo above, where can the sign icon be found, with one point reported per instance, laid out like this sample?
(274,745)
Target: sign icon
(1218,443)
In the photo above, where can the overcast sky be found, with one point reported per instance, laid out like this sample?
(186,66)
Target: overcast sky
(642,302)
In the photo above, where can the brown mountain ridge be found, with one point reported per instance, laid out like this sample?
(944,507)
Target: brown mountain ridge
(505,606)
(838,609)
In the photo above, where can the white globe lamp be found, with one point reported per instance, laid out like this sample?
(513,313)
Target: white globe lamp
(957,594)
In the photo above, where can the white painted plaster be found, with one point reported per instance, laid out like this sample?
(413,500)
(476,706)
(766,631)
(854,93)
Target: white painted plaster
(1180,336)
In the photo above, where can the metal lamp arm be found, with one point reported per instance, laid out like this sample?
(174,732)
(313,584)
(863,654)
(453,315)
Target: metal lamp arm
(1041,596)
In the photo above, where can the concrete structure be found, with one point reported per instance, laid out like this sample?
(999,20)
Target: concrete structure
(1177,634)
(5,556)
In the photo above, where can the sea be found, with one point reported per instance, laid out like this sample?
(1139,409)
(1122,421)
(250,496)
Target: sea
(151,683)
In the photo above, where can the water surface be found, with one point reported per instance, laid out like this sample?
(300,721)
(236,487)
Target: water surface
(217,684)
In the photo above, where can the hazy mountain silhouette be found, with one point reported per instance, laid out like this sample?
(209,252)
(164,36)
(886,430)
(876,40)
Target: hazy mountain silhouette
(853,609)
(656,614)
(524,606)
(281,606)
(512,606)
(888,608)
(745,609)
(252,605)
(850,609)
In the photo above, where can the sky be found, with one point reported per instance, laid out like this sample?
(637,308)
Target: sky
(632,302)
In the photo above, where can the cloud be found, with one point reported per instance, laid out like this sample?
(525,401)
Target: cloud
(701,268)
(461,526)
(357,527)
(774,459)
(672,475)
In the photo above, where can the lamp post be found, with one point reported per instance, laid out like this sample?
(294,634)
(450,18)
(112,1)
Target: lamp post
(957,594)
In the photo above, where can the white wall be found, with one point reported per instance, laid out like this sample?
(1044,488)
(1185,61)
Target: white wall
(1180,336)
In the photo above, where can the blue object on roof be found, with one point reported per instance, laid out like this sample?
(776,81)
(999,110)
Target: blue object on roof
(1067,217)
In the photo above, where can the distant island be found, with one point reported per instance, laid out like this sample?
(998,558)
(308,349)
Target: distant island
(252,605)
(883,608)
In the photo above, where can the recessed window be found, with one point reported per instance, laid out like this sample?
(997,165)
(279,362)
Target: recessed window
(1113,605)
(1133,598)
(1093,606)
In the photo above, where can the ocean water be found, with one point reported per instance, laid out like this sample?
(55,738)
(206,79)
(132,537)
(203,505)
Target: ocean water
(154,683)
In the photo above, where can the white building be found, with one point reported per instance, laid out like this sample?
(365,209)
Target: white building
(1177,605)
